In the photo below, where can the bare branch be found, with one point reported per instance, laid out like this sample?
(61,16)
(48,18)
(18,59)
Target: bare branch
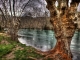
(10,6)
(2,13)
(24,6)
(14,7)
(3,4)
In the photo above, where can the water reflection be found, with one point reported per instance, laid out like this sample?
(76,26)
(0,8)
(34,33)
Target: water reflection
(44,39)
(75,43)
(41,39)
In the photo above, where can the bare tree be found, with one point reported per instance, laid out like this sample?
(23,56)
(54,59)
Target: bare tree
(9,18)
(12,10)
(62,18)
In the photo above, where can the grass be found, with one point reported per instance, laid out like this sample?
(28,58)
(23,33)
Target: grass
(20,51)
(5,49)
(21,54)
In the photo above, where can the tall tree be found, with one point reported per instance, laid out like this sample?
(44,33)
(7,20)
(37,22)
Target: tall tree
(62,19)
(10,9)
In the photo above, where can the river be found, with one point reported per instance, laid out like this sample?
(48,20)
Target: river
(45,40)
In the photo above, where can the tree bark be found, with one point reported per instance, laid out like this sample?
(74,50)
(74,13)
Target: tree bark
(64,28)
(13,28)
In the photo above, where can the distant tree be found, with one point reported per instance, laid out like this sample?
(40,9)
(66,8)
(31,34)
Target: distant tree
(11,10)
(7,9)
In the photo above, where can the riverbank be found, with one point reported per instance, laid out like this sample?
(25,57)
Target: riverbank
(12,50)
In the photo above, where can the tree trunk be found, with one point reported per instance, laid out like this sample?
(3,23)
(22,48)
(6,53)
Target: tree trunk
(64,28)
(13,28)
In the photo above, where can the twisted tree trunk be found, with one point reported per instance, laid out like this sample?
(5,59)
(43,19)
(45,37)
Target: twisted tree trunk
(64,28)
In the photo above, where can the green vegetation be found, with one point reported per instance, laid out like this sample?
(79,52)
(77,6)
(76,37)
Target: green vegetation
(21,54)
(12,50)
(5,49)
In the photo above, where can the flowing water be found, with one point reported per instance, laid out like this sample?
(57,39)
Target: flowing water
(45,40)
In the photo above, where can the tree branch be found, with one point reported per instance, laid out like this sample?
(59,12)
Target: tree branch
(24,6)
(14,7)
(10,6)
